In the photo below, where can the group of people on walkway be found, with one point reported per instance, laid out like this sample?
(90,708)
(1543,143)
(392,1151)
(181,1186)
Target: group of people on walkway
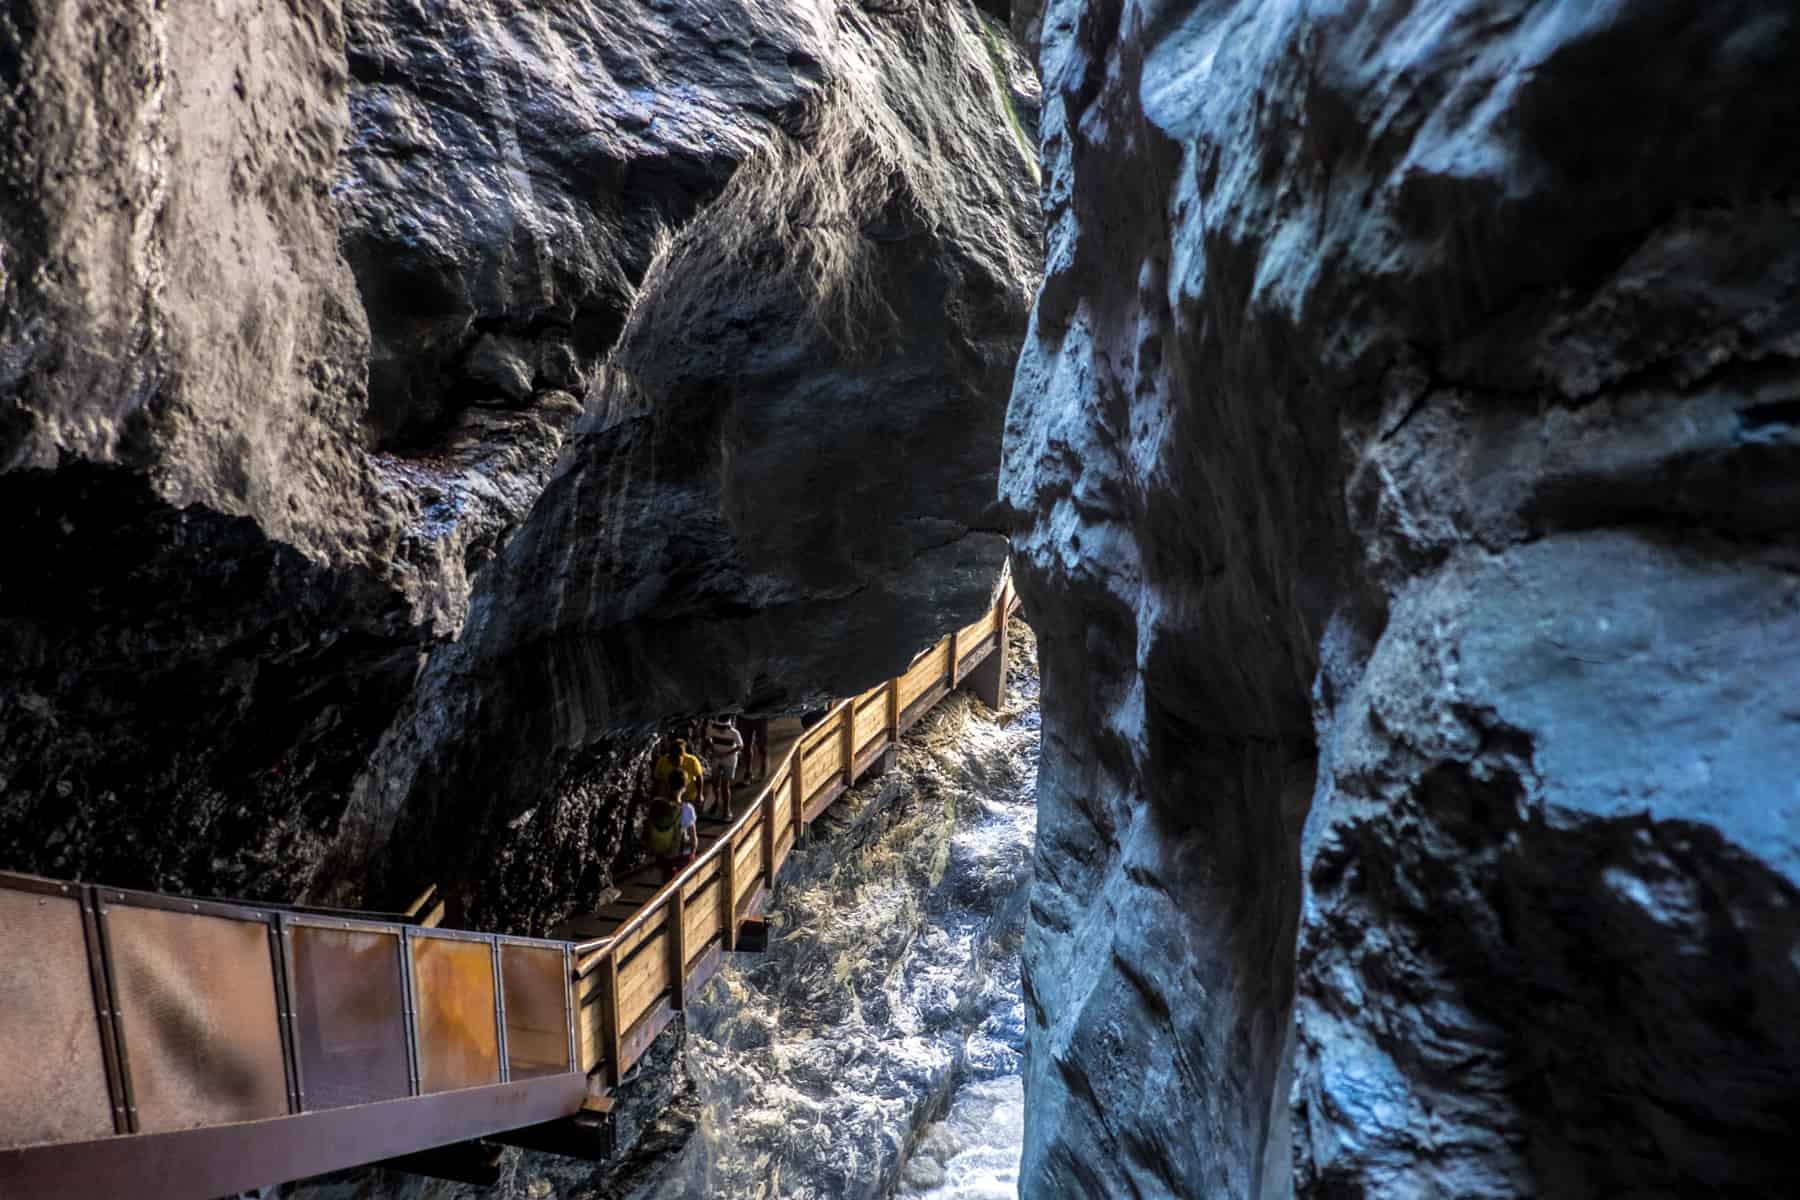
(682,786)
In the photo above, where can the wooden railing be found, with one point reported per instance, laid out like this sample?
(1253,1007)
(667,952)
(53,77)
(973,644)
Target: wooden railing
(631,983)
(311,1040)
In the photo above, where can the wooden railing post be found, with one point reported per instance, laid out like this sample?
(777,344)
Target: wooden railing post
(953,657)
(677,917)
(768,820)
(728,878)
(893,691)
(614,1042)
(797,777)
(849,741)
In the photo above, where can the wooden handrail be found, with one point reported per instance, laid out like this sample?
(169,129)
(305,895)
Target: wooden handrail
(788,796)
(589,954)
(589,951)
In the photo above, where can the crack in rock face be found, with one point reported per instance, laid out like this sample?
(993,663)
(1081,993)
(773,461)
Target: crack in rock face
(409,409)
(1402,459)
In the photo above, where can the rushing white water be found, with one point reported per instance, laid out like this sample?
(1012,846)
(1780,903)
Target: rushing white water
(890,990)
(973,1153)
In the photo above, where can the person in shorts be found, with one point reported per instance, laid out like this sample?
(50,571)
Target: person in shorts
(723,745)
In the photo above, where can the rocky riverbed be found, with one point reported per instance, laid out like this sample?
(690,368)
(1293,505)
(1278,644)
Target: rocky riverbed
(890,989)
(888,998)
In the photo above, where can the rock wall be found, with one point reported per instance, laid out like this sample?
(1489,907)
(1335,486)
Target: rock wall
(400,409)
(1402,457)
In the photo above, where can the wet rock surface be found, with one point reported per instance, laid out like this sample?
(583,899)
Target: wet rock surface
(409,410)
(1402,456)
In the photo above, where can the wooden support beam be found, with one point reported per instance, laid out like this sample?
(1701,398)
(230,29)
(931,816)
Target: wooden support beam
(476,1163)
(768,847)
(797,774)
(753,935)
(728,897)
(418,905)
(676,916)
(609,1002)
(847,742)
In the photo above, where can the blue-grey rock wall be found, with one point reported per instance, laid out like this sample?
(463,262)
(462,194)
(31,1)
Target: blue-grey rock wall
(1402,457)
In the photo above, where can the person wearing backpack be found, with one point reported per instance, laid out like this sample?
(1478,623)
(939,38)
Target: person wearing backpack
(671,834)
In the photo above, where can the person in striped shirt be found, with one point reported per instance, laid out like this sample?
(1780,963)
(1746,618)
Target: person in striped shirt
(723,745)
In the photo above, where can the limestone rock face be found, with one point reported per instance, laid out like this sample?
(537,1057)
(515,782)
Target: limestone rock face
(1403,461)
(397,407)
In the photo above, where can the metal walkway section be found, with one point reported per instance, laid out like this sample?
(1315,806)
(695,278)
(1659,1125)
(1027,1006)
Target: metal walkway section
(155,1046)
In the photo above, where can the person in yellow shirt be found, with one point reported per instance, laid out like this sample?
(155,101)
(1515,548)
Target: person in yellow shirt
(677,765)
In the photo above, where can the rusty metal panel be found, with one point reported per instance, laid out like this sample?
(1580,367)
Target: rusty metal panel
(199,1028)
(537,1015)
(349,1002)
(53,1085)
(453,996)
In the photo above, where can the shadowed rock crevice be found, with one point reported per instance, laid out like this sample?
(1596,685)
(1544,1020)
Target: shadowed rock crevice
(125,603)
(744,514)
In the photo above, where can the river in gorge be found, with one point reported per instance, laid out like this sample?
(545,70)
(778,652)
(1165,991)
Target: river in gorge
(874,1050)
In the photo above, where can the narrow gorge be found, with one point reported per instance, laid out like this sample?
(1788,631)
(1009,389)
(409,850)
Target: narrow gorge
(1402,461)
(414,414)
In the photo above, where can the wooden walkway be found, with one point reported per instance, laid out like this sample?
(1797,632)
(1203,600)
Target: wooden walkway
(649,950)
(158,1046)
